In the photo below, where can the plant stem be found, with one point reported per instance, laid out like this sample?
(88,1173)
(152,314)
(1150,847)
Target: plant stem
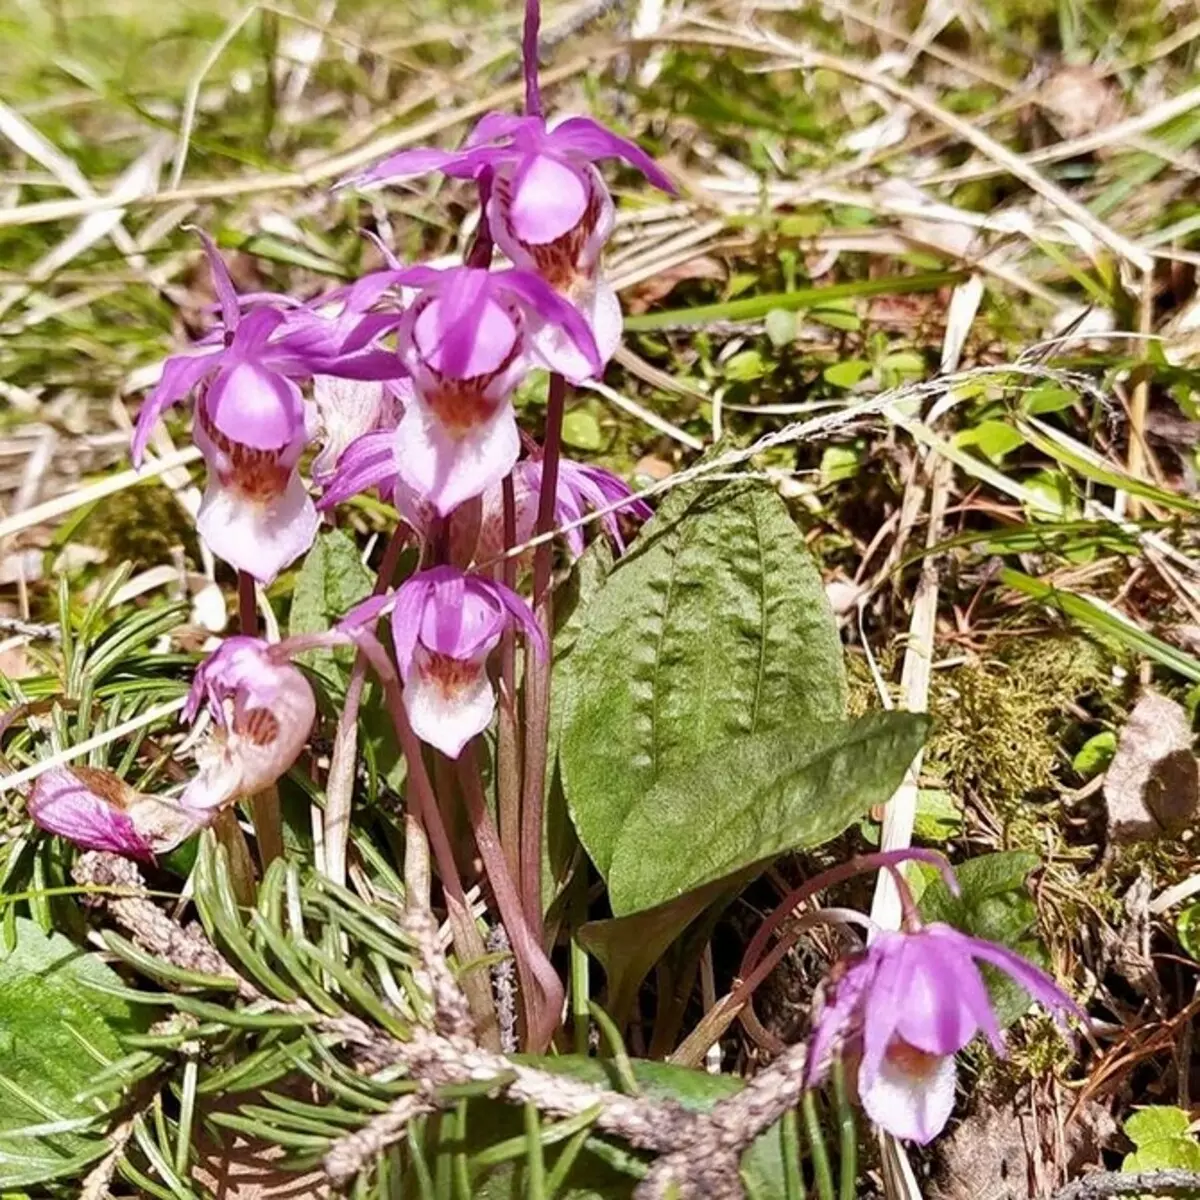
(848,1134)
(468,942)
(529,54)
(822,1172)
(508,754)
(537,671)
(339,786)
(541,989)
(247,605)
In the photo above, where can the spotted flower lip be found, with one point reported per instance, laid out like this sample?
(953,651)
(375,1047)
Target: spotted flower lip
(467,340)
(263,710)
(96,810)
(905,1007)
(445,623)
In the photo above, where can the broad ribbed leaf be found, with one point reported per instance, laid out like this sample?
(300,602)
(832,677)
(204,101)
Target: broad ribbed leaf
(713,628)
(749,801)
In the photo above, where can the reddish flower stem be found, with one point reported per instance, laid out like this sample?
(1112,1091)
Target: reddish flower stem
(339,786)
(541,989)
(537,669)
(529,55)
(467,939)
(247,605)
(508,756)
(480,254)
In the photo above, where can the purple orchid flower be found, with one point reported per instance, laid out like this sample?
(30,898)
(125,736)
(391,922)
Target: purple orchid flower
(251,420)
(263,710)
(547,205)
(905,1007)
(445,623)
(467,340)
(98,811)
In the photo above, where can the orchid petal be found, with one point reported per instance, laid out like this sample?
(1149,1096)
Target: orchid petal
(445,470)
(260,538)
(911,1105)
(181,373)
(1040,986)
(62,803)
(547,304)
(231,305)
(548,199)
(590,140)
(448,718)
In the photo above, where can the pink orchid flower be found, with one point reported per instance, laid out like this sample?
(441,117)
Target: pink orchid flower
(467,340)
(547,205)
(98,811)
(445,623)
(263,710)
(905,1007)
(250,417)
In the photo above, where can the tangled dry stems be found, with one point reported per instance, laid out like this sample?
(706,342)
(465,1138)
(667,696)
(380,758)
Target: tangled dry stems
(698,1154)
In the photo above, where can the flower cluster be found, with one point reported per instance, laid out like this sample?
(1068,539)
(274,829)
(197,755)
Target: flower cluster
(403,382)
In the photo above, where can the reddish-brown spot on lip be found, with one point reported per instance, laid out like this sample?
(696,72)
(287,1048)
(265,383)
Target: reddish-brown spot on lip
(461,405)
(917,1064)
(257,475)
(106,785)
(258,725)
(450,675)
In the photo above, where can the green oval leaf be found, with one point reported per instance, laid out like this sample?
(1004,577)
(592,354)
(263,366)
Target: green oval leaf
(58,1030)
(713,628)
(755,799)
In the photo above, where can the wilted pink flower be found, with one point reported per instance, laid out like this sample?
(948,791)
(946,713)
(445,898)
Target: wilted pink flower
(548,207)
(445,623)
(98,811)
(250,418)
(346,409)
(263,711)
(581,488)
(904,1008)
(467,340)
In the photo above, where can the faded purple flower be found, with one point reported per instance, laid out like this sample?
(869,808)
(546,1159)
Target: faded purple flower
(581,488)
(548,207)
(98,811)
(445,623)
(263,711)
(250,416)
(467,340)
(904,1008)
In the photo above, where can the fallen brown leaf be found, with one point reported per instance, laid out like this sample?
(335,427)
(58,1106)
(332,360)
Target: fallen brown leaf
(1153,784)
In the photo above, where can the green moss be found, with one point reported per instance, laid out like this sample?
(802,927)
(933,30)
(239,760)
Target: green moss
(1004,726)
(143,525)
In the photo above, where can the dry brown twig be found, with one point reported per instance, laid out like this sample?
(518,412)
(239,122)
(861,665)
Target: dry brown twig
(699,1153)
